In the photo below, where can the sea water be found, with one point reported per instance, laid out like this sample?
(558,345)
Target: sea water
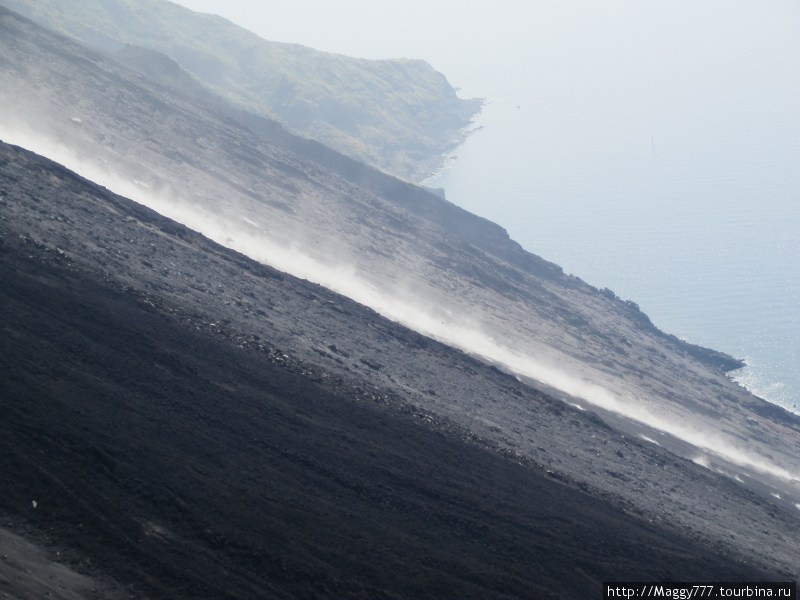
(710,254)
(649,147)
(671,177)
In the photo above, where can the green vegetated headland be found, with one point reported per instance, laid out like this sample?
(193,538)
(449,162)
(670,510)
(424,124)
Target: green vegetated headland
(398,115)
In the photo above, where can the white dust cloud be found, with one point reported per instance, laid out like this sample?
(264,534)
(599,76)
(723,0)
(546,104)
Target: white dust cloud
(434,321)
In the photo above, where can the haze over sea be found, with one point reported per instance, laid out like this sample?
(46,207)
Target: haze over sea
(649,147)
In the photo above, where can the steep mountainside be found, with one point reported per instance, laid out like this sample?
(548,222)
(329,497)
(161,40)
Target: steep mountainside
(192,424)
(399,115)
(161,69)
(666,435)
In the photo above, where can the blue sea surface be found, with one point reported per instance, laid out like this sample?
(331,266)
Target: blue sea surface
(649,147)
(675,184)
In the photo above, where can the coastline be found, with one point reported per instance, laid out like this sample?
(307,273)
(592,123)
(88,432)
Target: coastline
(664,263)
(437,164)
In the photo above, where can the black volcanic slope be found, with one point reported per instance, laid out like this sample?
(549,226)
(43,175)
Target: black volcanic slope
(188,464)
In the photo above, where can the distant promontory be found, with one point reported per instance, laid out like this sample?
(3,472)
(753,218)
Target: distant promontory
(399,115)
